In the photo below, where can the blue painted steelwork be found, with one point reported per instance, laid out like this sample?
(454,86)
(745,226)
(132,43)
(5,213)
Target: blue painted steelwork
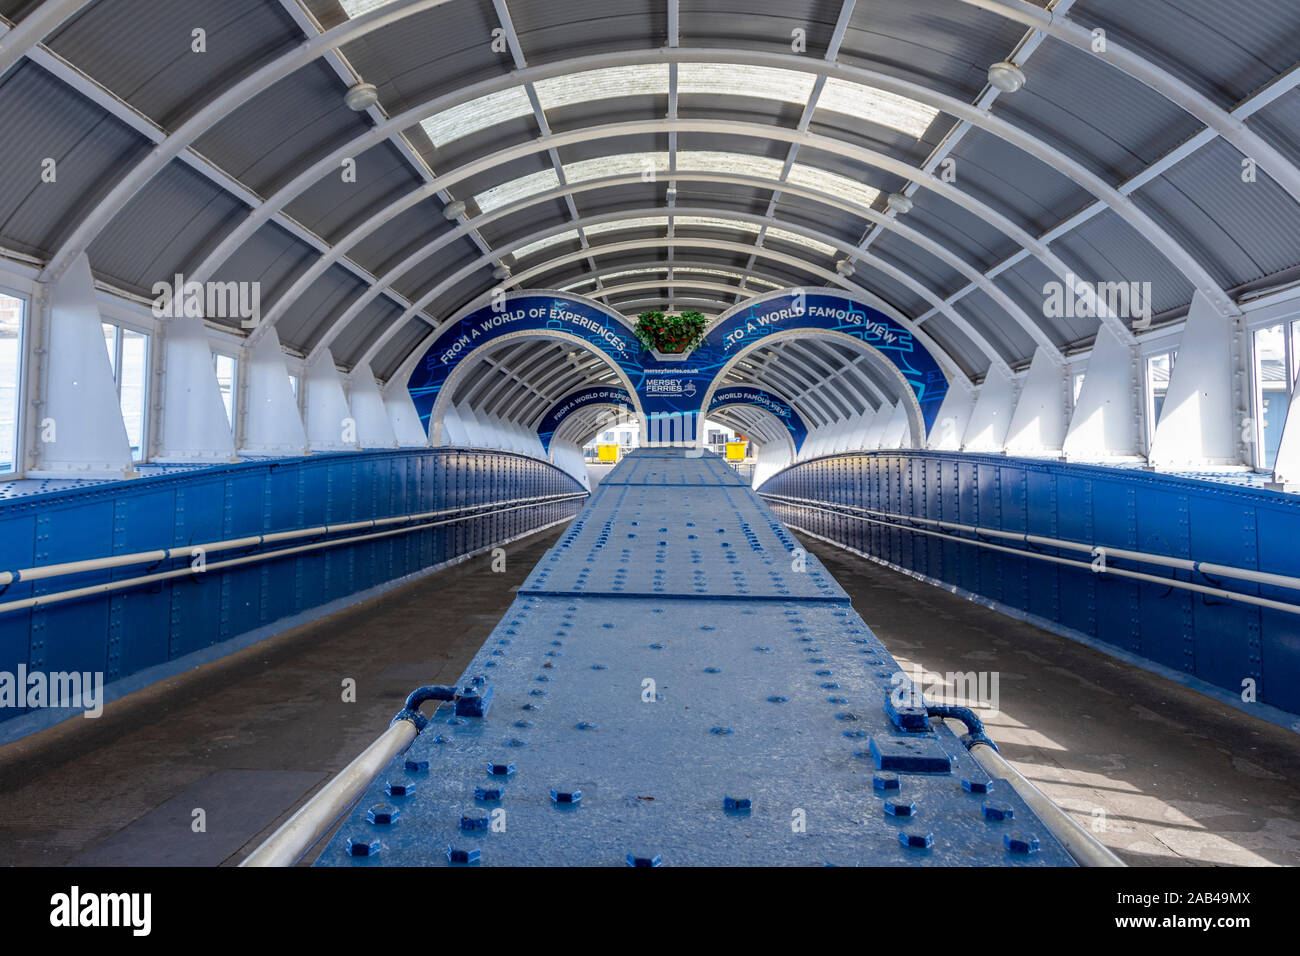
(769,402)
(659,698)
(122,633)
(1224,644)
(583,398)
(676,387)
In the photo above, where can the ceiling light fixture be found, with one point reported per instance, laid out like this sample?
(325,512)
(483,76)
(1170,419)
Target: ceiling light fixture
(1006,77)
(361,97)
(453,211)
(899,203)
(845,268)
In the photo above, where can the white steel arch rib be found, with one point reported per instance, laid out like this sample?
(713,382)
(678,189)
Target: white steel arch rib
(939,251)
(210,114)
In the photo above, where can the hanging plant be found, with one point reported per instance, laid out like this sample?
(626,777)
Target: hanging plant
(671,333)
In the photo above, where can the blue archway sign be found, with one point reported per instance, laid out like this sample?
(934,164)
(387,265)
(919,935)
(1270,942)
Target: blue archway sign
(675,387)
(583,398)
(761,398)
(722,398)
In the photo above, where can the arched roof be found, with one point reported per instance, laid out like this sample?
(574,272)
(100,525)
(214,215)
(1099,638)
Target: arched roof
(688,153)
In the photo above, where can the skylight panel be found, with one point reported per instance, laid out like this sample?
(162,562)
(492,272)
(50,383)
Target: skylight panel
(714,222)
(621,164)
(876,106)
(478,114)
(800,240)
(734,79)
(540,244)
(633,272)
(833,183)
(744,164)
(609,83)
(590,280)
(645,222)
(516,189)
(355,8)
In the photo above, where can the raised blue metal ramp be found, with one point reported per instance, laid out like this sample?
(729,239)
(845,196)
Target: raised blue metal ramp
(678,683)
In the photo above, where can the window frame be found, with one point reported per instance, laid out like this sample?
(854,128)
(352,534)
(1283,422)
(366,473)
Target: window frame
(1148,388)
(20,444)
(1290,326)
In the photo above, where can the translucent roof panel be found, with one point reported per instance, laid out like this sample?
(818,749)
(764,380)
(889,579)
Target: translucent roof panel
(516,189)
(609,83)
(528,250)
(832,183)
(876,106)
(477,114)
(645,222)
(733,79)
(355,8)
(714,222)
(648,165)
(741,164)
(800,240)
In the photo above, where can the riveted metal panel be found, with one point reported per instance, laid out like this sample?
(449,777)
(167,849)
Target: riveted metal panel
(1228,644)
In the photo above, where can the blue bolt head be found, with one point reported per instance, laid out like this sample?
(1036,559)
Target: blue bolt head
(400,788)
(383,814)
(918,841)
(463,856)
(778,699)
(587,725)
(363,846)
(634,860)
(417,766)
(1020,842)
(501,769)
(899,807)
(885,781)
(487,793)
(474,821)
(721,731)
(566,796)
(976,786)
(998,811)
(736,803)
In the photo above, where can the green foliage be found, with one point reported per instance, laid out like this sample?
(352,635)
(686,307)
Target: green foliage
(671,333)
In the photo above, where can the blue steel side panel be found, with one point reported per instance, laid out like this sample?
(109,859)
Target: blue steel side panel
(678,730)
(1229,644)
(124,632)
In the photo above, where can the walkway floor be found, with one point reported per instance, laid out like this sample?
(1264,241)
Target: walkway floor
(199,769)
(1161,774)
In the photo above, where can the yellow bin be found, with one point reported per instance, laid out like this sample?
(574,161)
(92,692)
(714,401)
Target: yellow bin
(736,450)
(607,452)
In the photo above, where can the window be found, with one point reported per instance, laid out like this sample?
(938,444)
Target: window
(128,354)
(12,310)
(227,367)
(1158,368)
(1274,360)
(1078,386)
(293,385)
